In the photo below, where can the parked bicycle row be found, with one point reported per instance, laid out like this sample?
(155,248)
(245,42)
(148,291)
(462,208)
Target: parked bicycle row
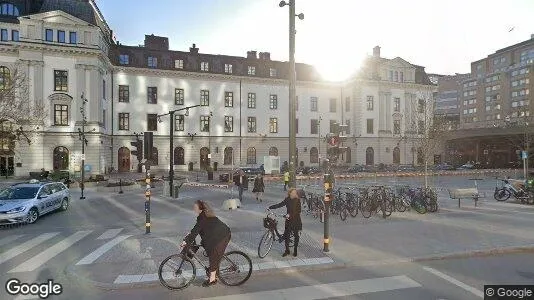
(370,200)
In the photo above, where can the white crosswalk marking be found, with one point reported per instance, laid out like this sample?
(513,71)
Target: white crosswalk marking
(26,246)
(101,250)
(9,239)
(109,234)
(40,259)
(329,290)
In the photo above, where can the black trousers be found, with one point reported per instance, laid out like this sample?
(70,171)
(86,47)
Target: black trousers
(216,254)
(296,236)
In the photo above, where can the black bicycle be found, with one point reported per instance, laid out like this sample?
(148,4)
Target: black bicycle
(271,233)
(177,271)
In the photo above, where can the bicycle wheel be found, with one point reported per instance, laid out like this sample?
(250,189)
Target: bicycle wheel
(235,268)
(266,243)
(343,213)
(399,204)
(419,206)
(388,205)
(432,205)
(176,272)
(365,208)
(353,207)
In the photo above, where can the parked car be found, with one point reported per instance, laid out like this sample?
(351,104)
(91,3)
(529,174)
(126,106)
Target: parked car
(443,167)
(471,166)
(308,170)
(26,202)
(406,168)
(356,169)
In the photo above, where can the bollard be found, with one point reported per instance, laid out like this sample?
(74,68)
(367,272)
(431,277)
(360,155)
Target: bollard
(328,190)
(120,186)
(147,203)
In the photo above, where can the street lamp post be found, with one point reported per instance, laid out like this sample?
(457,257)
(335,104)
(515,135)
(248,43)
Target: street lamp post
(319,142)
(171,143)
(292,92)
(81,133)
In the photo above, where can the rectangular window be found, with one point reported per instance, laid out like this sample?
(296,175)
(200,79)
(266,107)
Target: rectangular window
(49,35)
(61,36)
(204,66)
(124,59)
(4,35)
(347,104)
(15,35)
(178,63)
(204,123)
(396,126)
(251,124)
(347,130)
(103,89)
(251,100)
(152,95)
(179,123)
(152,122)
(370,129)
(124,93)
(313,103)
(124,121)
(61,114)
(272,72)
(152,62)
(296,125)
(332,125)
(73,37)
(333,105)
(273,102)
(178,96)
(273,125)
(61,81)
(228,99)
(228,68)
(204,97)
(314,126)
(370,103)
(396,104)
(420,127)
(228,124)
(401,77)
(251,70)
(421,106)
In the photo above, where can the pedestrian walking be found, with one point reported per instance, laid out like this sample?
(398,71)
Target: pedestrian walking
(293,220)
(259,187)
(241,181)
(286,180)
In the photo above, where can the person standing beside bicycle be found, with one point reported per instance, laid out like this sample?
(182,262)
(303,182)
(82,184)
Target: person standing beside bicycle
(293,220)
(215,237)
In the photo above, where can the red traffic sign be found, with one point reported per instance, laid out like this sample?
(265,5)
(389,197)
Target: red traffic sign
(333,141)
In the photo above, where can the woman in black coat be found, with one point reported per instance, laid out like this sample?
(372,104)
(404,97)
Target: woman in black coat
(215,237)
(259,187)
(293,221)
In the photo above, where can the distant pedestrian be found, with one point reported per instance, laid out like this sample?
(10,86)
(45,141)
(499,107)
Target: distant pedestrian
(286,180)
(293,220)
(241,181)
(259,187)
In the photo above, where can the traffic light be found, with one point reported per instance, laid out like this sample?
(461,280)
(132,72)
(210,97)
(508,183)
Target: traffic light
(139,150)
(334,141)
(148,145)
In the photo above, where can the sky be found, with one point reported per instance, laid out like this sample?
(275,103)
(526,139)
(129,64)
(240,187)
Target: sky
(335,35)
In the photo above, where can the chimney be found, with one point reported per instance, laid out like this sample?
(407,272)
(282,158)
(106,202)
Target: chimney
(265,56)
(193,49)
(376,51)
(156,42)
(532,36)
(251,55)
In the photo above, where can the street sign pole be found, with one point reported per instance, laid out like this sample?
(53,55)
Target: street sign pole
(147,202)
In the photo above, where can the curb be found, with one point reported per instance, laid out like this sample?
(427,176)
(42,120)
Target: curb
(222,186)
(113,286)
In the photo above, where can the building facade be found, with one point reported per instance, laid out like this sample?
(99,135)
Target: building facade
(66,49)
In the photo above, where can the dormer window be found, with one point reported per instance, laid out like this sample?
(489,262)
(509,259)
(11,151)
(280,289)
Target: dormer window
(61,36)
(49,35)
(152,62)
(204,66)
(124,59)
(8,9)
(179,64)
(251,70)
(272,72)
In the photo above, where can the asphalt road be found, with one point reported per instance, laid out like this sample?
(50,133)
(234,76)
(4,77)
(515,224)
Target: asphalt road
(51,247)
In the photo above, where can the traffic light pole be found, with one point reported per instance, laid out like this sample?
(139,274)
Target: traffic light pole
(328,189)
(147,202)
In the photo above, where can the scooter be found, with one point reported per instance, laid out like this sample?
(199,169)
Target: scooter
(525,195)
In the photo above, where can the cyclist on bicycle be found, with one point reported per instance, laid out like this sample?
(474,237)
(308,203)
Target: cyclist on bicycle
(215,237)
(293,221)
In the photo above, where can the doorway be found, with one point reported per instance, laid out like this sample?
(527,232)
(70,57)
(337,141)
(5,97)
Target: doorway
(124,159)
(7,165)
(204,160)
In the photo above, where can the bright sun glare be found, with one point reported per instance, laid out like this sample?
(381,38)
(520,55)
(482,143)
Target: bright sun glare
(338,69)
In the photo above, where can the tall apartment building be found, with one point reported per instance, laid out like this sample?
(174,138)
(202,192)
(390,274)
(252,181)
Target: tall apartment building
(449,96)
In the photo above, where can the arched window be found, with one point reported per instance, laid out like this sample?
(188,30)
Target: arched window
(420,156)
(314,155)
(273,151)
(61,158)
(370,156)
(396,155)
(155,157)
(348,155)
(228,155)
(8,9)
(5,76)
(251,156)
(179,156)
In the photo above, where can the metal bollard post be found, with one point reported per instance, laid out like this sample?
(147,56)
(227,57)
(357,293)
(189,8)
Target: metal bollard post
(328,189)
(120,186)
(147,203)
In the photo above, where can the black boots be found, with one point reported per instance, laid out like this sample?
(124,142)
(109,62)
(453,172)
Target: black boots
(285,253)
(295,251)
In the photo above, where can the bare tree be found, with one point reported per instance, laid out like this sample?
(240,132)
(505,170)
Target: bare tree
(426,131)
(19,117)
